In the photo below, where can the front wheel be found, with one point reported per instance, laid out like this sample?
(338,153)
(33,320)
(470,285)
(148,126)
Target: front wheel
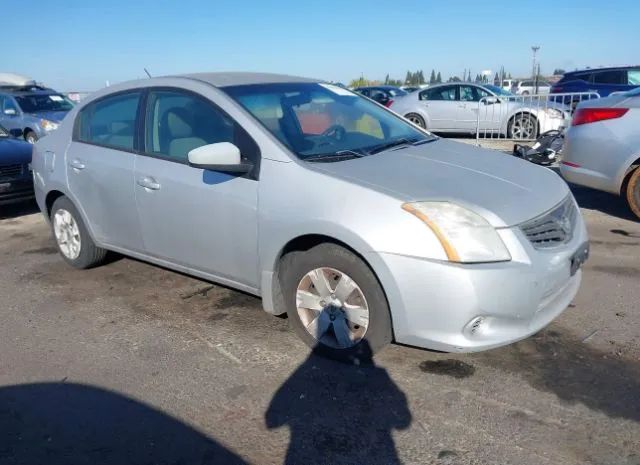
(73,240)
(30,137)
(633,192)
(335,303)
(523,126)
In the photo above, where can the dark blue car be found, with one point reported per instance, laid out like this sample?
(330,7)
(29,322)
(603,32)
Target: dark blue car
(604,81)
(16,181)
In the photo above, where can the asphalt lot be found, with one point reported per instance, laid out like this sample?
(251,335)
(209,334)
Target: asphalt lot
(131,363)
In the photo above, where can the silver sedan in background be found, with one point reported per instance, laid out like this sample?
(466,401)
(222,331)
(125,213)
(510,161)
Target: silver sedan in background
(360,226)
(602,147)
(467,107)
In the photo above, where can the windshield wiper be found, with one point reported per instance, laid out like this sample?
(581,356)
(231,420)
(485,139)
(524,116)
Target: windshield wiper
(339,155)
(390,145)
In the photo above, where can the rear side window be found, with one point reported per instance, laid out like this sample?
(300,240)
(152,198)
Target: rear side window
(110,121)
(610,77)
(439,93)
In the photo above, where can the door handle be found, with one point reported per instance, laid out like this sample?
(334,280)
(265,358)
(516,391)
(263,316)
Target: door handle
(149,183)
(77,164)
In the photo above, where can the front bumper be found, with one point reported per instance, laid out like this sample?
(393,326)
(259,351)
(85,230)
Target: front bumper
(468,308)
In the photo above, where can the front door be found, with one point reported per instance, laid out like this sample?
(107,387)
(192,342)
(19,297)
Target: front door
(203,220)
(100,164)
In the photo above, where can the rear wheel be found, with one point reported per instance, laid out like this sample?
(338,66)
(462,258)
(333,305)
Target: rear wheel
(73,240)
(335,304)
(633,192)
(417,120)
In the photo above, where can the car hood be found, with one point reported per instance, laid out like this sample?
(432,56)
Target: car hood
(503,189)
(55,116)
(14,151)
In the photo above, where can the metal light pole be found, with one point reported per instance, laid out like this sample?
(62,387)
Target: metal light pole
(534,49)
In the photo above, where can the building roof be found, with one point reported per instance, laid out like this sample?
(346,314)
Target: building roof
(242,78)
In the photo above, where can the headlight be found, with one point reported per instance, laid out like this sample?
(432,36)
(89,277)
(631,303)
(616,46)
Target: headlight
(554,113)
(48,125)
(465,236)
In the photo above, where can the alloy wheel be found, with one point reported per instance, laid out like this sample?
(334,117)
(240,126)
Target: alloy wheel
(65,229)
(523,127)
(332,308)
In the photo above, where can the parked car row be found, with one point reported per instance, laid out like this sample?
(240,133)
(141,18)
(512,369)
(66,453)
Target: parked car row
(16,181)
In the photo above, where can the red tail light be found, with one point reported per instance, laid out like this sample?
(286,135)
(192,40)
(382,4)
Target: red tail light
(593,115)
(389,103)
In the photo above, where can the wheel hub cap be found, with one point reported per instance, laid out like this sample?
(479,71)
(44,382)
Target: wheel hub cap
(332,308)
(67,234)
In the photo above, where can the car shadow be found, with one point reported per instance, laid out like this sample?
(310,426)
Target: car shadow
(338,413)
(73,424)
(16,210)
(603,202)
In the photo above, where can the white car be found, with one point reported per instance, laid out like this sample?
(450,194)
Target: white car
(528,87)
(468,107)
(508,84)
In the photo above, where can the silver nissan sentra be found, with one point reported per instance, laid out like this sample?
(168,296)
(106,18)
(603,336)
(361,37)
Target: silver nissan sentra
(356,223)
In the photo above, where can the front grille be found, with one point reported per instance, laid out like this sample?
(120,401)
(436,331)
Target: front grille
(10,171)
(554,228)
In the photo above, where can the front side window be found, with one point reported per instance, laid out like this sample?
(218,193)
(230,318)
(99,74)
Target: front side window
(8,104)
(316,120)
(178,122)
(467,94)
(110,121)
(44,102)
(633,77)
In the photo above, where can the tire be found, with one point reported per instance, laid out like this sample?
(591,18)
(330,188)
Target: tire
(517,124)
(416,119)
(368,337)
(64,216)
(30,137)
(633,192)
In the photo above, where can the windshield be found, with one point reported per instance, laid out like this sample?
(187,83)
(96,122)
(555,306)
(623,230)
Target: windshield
(498,90)
(44,102)
(316,120)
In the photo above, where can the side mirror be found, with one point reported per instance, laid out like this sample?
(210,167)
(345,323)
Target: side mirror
(223,157)
(491,100)
(10,111)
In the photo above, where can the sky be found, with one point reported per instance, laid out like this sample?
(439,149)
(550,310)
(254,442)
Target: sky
(79,45)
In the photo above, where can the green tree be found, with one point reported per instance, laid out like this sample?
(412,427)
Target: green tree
(439,78)
(386,80)
(559,71)
(432,79)
(409,78)
(496,80)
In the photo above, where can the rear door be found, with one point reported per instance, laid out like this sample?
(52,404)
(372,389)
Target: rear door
(200,219)
(441,105)
(100,163)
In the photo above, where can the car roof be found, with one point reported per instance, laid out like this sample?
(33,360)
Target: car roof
(608,68)
(18,91)
(243,78)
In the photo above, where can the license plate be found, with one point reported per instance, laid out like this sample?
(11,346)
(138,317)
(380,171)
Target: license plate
(579,258)
(5,186)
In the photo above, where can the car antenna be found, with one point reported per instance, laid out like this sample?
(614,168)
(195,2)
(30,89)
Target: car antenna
(148,73)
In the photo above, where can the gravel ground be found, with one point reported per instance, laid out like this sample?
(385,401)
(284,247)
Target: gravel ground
(131,363)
